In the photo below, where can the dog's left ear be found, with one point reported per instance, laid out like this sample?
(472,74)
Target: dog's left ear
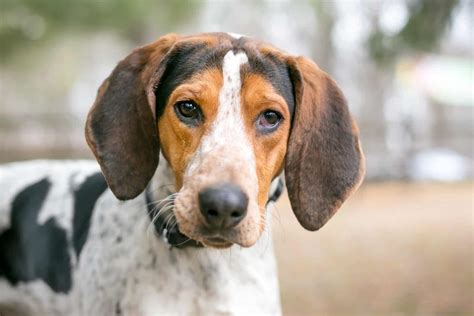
(324,160)
(121,125)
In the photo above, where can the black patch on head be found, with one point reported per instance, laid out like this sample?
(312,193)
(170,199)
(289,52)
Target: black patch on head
(180,65)
(84,200)
(276,72)
(187,59)
(29,251)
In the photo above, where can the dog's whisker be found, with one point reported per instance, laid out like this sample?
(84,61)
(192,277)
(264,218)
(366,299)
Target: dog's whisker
(276,215)
(173,225)
(164,200)
(183,242)
(160,213)
(162,207)
(169,218)
(268,240)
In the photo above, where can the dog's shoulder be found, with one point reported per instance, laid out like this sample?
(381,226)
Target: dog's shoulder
(34,178)
(45,208)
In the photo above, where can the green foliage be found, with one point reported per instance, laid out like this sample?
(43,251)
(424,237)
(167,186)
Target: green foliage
(23,22)
(425,26)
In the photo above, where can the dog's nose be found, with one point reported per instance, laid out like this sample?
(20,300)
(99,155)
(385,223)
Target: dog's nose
(223,206)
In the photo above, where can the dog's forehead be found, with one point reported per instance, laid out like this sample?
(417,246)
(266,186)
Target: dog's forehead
(194,54)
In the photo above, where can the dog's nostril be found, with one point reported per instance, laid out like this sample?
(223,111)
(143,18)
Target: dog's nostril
(212,213)
(235,214)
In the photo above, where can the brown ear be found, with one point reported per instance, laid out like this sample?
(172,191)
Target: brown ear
(121,127)
(324,161)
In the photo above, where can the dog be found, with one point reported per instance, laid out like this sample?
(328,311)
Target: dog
(194,136)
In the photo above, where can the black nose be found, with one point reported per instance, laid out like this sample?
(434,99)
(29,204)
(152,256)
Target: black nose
(223,206)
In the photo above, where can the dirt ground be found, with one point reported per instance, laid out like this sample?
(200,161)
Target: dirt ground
(392,249)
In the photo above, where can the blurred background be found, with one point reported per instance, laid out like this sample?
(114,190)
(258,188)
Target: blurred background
(403,244)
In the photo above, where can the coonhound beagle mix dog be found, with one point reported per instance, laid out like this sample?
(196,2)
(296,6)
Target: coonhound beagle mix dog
(192,135)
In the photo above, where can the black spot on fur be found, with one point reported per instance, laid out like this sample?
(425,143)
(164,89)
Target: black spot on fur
(29,251)
(84,200)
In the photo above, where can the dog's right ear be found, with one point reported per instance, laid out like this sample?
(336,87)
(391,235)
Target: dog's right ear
(121,125)
(324,160)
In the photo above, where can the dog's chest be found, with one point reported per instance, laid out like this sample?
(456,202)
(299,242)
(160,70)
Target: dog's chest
(139,274)
(203,286)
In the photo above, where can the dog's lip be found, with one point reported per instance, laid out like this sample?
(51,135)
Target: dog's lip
(224,244)
(216,242)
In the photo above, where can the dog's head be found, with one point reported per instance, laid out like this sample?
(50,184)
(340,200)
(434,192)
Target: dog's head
(229,115)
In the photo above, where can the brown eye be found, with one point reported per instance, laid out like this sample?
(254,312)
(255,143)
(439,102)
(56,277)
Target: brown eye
(268,121)
(188,112)
(187,109)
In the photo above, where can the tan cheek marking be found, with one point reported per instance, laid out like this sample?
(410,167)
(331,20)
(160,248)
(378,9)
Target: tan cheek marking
(258,95)
(179,141)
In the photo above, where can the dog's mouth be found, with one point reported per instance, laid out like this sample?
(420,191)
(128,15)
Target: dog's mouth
(167,227)
(176,238)
(166,220)
(217,242)
(173,236)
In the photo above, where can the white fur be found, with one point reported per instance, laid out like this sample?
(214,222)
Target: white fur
(228,128)
(228,131)
(235,35)
(225,154)
(140,274)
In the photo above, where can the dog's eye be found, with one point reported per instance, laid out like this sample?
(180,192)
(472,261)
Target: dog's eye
(188,112)
(268,121)
(187,109)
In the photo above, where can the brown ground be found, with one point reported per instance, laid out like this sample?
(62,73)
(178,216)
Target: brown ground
(393,249)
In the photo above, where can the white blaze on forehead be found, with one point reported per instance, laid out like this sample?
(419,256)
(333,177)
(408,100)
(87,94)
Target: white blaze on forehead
(226,154)
(229,96)
(227,142)
(228,127)
(235,35)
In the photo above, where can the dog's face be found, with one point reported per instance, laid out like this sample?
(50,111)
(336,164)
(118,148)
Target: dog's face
(228,114)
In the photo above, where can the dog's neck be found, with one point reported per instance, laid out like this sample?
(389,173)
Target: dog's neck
(163,183)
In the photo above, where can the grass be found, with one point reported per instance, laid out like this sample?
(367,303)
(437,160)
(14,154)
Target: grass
(393,249)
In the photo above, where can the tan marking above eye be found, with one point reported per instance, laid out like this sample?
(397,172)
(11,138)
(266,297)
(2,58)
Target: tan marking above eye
(259,95)
(179,141)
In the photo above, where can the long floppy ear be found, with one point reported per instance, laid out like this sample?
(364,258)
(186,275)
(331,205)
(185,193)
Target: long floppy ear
(324,161)
(121,127)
